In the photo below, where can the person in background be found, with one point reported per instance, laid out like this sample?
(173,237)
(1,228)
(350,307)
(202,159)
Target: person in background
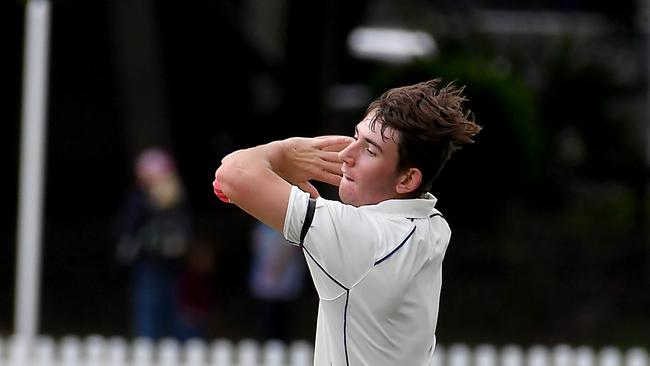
(154,229)
(276,280)
(197,298)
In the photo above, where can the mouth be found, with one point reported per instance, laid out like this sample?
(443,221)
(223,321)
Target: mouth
(344,173)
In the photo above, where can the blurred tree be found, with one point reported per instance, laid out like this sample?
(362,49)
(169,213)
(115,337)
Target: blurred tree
(140,74)
(509,150)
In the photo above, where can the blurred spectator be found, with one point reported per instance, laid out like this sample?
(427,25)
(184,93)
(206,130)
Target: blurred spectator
(197,292)
(276,280)
(154,232)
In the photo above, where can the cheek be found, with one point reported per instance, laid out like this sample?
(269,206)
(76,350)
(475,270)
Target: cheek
(378,178)
(380,172)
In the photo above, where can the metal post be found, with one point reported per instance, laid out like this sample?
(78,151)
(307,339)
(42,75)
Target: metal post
(32,167)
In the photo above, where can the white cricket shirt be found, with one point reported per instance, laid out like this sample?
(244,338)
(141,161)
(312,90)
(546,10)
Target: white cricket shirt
(378,272)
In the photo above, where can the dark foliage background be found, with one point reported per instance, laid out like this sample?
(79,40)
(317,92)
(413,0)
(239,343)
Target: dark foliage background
(549,209)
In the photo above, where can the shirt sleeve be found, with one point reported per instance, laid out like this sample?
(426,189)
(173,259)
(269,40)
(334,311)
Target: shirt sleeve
(295,216)
(341,245)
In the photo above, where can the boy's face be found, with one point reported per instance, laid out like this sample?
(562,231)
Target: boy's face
(369,166)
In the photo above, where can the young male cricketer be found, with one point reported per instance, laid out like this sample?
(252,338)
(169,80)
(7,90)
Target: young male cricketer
(375,257)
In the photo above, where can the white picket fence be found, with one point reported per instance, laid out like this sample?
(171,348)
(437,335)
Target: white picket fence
(100,351)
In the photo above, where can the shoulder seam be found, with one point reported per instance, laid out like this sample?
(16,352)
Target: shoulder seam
(323,269)
(397,248)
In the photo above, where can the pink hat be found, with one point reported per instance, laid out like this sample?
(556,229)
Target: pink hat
(154,161)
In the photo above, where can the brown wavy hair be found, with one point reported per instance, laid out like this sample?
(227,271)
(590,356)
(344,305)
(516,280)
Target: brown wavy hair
(432,123)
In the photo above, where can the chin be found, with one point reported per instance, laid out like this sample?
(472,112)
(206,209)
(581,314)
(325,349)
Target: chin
(345,197)
(351,201)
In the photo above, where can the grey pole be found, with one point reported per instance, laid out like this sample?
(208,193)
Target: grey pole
(644,28)
(32,167)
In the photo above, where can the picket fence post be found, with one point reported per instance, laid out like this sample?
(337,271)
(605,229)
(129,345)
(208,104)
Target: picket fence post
(96,350)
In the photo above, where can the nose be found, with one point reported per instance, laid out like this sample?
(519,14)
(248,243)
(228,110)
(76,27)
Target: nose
(346,154)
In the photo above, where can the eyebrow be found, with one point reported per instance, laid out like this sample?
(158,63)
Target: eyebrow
(365,139)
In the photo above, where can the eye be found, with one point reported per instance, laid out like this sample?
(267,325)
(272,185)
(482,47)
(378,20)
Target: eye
(370,152)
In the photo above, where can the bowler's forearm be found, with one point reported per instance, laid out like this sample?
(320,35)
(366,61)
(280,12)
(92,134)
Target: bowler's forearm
(247,179)
(243,169)
(259,179)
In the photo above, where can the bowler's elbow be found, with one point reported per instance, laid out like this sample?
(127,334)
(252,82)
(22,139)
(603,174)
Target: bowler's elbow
(229,176)
(255,188)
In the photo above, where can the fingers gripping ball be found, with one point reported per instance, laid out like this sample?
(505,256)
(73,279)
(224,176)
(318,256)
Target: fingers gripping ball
(218,192)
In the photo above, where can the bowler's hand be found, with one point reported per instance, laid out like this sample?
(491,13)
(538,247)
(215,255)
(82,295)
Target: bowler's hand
(316,158)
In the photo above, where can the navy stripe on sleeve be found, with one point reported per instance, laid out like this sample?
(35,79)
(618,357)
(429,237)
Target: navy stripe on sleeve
(309,217)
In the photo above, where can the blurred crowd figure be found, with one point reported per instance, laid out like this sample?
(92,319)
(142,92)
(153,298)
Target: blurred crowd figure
(197,300)
(276,280)
(170,289)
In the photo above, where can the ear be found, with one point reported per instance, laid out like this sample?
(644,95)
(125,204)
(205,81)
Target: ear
(409,181)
